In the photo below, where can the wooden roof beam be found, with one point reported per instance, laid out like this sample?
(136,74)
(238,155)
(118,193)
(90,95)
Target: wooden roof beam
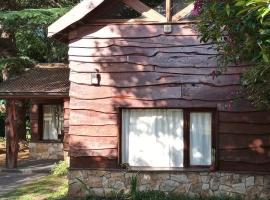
(169,10)
(184,12)
(145,10)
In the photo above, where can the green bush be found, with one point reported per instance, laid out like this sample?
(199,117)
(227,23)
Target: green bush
(60,169)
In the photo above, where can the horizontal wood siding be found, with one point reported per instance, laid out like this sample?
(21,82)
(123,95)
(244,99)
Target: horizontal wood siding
(141,66)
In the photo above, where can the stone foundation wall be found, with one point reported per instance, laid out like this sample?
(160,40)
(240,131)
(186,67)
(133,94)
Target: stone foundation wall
(46,151)
(103,183)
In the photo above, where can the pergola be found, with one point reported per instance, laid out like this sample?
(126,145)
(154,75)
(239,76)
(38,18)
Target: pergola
(40,83)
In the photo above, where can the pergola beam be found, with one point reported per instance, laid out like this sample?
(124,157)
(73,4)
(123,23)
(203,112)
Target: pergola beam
(184,12)
(169,10)
(145,10)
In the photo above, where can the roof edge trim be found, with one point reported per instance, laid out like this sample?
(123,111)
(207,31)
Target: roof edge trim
(74,15)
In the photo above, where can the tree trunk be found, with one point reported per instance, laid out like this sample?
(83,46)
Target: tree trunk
(21,120)
(12,143)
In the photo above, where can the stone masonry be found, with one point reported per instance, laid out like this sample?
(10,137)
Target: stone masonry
(46,151)
(103,183)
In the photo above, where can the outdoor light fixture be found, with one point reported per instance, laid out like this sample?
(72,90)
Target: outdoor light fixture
(167,28)
(95,78)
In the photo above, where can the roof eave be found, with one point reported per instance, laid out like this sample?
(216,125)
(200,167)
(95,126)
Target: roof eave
(74,15)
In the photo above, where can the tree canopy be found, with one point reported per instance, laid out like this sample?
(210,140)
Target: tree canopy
(24,23)
(241,30)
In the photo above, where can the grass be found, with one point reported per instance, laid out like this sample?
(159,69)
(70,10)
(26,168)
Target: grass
(61,169)
(47,188)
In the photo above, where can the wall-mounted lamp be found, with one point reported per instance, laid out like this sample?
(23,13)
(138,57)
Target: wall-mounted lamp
(96,78)
(167,28)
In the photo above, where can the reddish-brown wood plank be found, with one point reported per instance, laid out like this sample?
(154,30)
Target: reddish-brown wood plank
(86,142)
(93,162)
(151,92)
(149,52)
(227,141)
(88,117)
(205,92)
(188,91)
(238,105)
(252,155)
(107,153)
(161,41)
(94,118)
(99,131)
(124,31)
(112,105)
(128,67)
(253,117)
(243,128)
(153,78)
(163,59)
(243,166)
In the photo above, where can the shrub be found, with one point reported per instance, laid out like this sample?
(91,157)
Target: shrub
(60,169)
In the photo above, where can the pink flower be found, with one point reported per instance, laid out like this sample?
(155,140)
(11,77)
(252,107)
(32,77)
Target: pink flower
(197,7)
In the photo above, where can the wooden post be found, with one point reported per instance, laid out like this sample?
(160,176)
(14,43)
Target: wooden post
(12,142)
(169,10)
(21,120)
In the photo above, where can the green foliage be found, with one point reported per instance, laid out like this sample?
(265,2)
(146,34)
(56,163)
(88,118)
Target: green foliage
(256,82)
(22,4)
(60,169)
(16,65)
(241,30)
(26,23)
(29,30)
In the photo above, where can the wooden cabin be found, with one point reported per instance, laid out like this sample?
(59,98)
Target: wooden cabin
(40,94)
(147,96)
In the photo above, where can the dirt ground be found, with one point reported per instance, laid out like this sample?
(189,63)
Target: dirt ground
(23,153)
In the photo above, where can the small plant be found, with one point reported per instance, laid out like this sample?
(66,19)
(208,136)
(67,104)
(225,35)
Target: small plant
(134,185)
(60,169)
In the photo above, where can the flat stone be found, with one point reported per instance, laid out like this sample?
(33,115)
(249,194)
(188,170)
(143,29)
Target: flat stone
(118,175)
(181,178)
(239,188)
(266,182)
(196,188)
(182,189)
(145,179)
(205,179)
(119,185)
(94,182)
(214,183)
(98,191)
(205,186)
(105,182)
(168,186)
(225,188)
(259,180)
(144,187)
(163,176)
(194,178)
(250,181)
(236,179)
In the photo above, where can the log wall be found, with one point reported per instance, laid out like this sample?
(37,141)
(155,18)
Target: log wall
(141,66)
